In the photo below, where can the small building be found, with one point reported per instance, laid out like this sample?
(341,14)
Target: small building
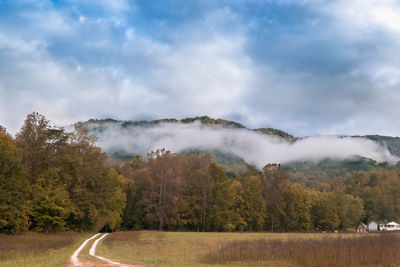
(362,228)
(373,226)
(392,226)
(376,226)
(383,226)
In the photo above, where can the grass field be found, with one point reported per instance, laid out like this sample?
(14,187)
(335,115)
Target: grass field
(34,249)
(252,249)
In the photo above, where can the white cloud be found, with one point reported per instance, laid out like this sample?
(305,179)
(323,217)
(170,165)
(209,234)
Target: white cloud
(209,76)
(338,75)
(366,14)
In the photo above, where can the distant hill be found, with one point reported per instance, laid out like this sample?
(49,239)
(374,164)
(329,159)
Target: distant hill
(98,125)
(205,120)
(391,143)
(309,173)
(235,166)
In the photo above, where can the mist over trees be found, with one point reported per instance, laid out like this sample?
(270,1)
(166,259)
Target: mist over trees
(124,139)
(52,180)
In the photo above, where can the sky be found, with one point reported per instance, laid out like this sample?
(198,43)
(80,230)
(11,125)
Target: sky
(309,67)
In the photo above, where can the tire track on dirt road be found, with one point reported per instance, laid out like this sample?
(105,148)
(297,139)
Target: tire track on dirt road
(92,252)
(74,257)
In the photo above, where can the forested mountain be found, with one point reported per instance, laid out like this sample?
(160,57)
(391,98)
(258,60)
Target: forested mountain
(99,125)
(233,165)
(310,173)
(305,172)
(205,120)
(392,143)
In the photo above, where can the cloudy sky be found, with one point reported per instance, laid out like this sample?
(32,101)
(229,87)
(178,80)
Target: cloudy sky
(308,67)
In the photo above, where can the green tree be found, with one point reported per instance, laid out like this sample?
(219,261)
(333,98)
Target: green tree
(274,183)
(138,212)
(93,186)
(14,188)
(38,144)
(324,212)
(373,201)
(253,209)
(350,210)
(222,201)
(51,204)
(297,210)
(136,163)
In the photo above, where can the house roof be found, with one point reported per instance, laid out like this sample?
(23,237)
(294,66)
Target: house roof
(378,222)
(383,222)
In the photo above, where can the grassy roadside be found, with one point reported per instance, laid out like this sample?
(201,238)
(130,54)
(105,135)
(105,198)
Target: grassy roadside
(33,249)
(210,249)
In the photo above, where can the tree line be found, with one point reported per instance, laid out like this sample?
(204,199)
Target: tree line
(191,193)
(54,180)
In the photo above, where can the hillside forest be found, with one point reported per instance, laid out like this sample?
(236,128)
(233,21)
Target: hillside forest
(53,180)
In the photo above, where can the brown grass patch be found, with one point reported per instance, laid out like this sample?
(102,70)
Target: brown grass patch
(20,246)
(366,250)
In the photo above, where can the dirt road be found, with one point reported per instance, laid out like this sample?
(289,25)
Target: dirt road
(97,260)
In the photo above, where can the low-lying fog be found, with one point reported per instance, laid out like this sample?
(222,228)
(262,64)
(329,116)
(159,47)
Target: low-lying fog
(255,148)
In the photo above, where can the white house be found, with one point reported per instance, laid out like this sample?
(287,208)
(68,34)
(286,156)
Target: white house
(373,226)
(392,226)
(376,226)
(383,226)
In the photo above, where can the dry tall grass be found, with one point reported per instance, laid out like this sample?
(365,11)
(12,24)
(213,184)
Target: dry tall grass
(181,249)
(19,245)
(366,250)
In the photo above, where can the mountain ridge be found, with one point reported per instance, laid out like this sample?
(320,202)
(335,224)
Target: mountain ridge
(236,166)
(211,122)
(204,120)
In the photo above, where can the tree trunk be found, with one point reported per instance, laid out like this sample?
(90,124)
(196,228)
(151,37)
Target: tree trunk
(204,206)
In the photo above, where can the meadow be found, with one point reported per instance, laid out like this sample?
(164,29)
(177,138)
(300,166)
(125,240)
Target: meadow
(153,248)
(33,249)
(252,249)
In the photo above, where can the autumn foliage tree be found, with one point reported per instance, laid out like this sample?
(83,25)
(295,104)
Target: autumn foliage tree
(166,172)
(253,209)
(73,188)
(221,202)
(14,188)
(274,183)
(297,209)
